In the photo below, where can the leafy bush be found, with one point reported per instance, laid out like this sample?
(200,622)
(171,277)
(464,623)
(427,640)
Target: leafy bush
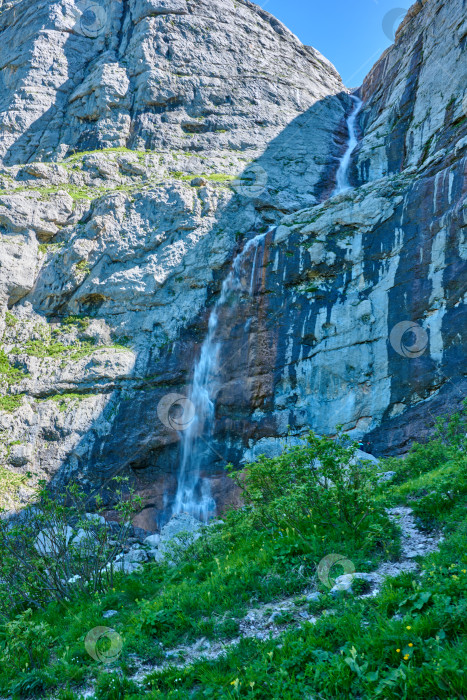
(450,439)
(319,486)
(56,550)
(25,643)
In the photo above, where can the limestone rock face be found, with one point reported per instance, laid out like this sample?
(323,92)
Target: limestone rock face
(416,97)
(142,143)
(213,75)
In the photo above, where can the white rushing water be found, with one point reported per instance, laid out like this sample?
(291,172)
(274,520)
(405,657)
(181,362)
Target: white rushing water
(342,179)
(193,491)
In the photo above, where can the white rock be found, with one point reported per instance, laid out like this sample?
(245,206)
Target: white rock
(53,541)
(152,541)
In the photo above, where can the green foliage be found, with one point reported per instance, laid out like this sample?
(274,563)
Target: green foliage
(409,641)
(313,489)
(10,320)
(24,642)
(81,322)
(9,374)
(434,475)
(64,400)
(113,686)
(84,267)
(57,551)
(10,483)
(48,347)
(10,403)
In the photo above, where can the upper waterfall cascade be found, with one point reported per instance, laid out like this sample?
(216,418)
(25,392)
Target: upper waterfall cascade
(342,178)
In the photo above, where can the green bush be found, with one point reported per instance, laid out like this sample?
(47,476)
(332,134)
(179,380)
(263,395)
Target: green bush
(319,487)
(57,551)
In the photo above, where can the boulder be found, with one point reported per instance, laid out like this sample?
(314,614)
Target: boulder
(181,531)
(53,540)
(135,556)
(126,567)
(152,541)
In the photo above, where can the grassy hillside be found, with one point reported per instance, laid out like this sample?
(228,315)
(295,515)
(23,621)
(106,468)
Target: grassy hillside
(406,641)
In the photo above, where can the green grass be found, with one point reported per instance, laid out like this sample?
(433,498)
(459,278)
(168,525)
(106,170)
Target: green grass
(10,320)
(10,403)
(409,641)
(84,267)
(64,400)
(9,485)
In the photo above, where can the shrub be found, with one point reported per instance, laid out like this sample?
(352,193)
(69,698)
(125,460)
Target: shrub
(55,550)
(319,485)
(25,643)
(449,439)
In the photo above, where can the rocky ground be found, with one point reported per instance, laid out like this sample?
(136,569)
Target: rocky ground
(269,621)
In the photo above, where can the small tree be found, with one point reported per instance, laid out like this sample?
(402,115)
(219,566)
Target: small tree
(55,549)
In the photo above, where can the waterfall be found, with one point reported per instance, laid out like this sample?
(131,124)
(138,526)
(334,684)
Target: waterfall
(342,179)
(193,492)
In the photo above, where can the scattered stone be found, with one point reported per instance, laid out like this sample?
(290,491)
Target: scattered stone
(95,517)
(386,476)
(127,567)
(20,455)
(345,582)
(136,555)
(83,538)
(181,531)
(152,541)
(109,613)
(53,541)
(198,182)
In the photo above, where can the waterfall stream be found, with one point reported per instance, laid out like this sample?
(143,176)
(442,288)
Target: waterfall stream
(342,179)
(193,492)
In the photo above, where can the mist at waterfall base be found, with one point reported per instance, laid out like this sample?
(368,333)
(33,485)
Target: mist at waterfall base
(193,494)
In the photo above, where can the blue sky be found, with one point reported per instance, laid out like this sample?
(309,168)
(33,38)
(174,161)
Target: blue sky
(352,34)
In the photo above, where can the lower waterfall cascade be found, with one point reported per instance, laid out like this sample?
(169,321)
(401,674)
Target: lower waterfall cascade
(193,494)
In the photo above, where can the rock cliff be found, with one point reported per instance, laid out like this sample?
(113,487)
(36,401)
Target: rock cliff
(142,143)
